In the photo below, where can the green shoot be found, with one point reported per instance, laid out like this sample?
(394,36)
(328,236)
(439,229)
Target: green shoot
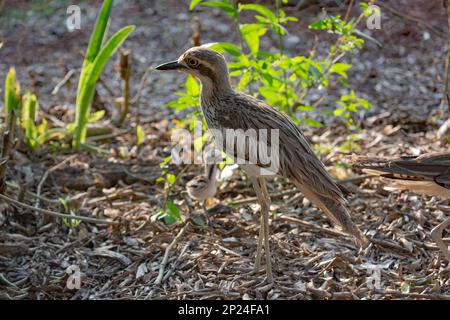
(97,55)
(29,114)
(12,94)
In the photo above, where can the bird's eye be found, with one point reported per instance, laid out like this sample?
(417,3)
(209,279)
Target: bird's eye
(191,62)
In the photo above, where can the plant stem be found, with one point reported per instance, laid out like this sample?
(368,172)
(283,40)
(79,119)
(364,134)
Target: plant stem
(241,39)
(281,48)
(7,146)
(237,25)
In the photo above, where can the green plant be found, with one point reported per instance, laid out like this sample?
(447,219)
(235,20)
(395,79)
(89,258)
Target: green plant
(97,55)
(140,135)
(29,113)
(13,100)
(170,213)
(71,223)
(27,107)
(284,81)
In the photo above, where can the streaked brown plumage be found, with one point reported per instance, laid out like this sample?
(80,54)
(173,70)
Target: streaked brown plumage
(428,174)
(223,109)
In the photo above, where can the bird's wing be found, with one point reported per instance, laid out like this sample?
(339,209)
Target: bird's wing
(296,158)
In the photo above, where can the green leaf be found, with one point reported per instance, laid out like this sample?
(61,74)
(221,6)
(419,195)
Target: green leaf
(89,76)
(99,32)
(192,86)
(245,79)
(225,7)
(318,25)
(12,94)
(338,112)
(251,33)
(173,211)
(340,68)
(306,108)
(171,178)
(95,43)
(227,47)
(405,288)
(261,9)
(199,221)
(29,113)
(313,123)
(107,51)
(193,4)
(96,116)
(140,135)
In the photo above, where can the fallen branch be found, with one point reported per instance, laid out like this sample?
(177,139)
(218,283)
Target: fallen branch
(253,199)
(381,243)
(312,226)
(57,214)
(167,253)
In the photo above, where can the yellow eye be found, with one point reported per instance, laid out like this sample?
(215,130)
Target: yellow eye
(191,62)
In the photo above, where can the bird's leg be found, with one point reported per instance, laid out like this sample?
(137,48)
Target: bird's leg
(205,212)
(436,235)
(265,206)
(261,225)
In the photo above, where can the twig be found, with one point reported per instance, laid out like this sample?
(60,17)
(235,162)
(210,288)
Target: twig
(379,242)
(63,81)
(137,98)
(349,10)
(312,226)
(57,214)
(253,199)
(29,193)
(167,253)
(45,176)
(175,264)
(436,235)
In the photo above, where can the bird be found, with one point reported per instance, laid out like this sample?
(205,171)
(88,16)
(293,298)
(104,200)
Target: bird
(225,110)
(426,174)
(203,187)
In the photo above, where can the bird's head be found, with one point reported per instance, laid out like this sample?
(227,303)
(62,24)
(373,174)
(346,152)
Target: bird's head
(205,64)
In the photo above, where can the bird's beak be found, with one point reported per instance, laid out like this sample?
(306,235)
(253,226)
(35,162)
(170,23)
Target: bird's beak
(173,65)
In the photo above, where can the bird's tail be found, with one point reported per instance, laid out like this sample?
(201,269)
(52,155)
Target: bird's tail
(337,212)
(418,168)
(427,174)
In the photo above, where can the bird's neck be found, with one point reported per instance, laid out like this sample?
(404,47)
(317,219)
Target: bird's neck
(215,88)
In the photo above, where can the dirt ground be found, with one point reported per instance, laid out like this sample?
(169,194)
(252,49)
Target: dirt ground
(312,259)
